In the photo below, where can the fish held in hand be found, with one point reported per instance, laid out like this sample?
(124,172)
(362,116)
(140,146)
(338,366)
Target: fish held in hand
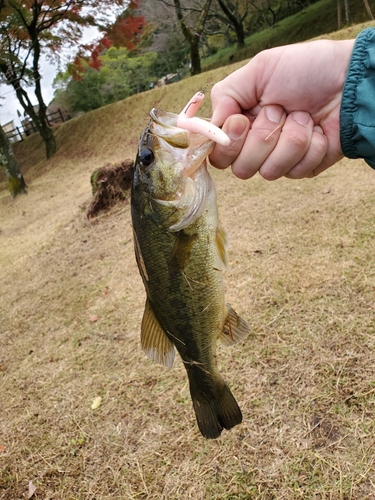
(188,121)
(180,249)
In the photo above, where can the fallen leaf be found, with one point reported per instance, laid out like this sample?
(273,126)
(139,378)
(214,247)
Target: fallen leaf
(32,489)
(96,403)
(94,318)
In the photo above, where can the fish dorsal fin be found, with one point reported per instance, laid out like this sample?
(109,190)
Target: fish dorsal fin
(235,328)
(154,340)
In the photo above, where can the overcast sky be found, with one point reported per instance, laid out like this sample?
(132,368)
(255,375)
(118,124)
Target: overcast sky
(9,104)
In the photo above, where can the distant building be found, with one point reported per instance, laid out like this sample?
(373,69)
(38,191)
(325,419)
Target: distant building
(8,127)
(10,130)
(167,79)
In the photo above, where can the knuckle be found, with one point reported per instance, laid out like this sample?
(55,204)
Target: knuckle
(269,175)
(241,174)
(243,171)
(319,144)
(265,136)
(297,139)
(223,156)
(216,90)
(220,163)
(296,174)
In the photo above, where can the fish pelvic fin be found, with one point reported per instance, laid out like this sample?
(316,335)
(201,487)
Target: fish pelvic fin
(235,328)
(155,342)
(215,413)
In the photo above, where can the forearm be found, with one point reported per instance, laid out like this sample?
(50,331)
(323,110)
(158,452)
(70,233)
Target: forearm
(357,114)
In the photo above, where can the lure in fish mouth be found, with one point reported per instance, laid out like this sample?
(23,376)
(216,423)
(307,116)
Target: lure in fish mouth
(180,249)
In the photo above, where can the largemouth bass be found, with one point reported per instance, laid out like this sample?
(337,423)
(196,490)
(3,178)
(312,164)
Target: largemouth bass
(180,249)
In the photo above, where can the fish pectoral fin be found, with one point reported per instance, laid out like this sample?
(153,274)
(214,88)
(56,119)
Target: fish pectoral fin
(221,245)
(181,251)
(154,340)
(235,328)
(139,258)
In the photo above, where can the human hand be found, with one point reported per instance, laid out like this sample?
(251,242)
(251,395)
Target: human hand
(282,111)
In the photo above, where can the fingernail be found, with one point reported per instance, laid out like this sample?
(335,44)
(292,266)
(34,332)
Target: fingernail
(301,117)
(274,113)
(237,126)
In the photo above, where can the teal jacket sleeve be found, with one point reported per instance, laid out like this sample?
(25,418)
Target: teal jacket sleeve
(357,113)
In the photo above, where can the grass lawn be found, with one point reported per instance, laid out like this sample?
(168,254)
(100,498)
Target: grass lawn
(303,275)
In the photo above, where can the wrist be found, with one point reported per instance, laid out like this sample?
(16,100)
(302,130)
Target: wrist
(358,104)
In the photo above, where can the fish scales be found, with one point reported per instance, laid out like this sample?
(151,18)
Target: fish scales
(180,251)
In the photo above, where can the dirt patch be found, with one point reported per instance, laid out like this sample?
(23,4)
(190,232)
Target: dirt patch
(110,186)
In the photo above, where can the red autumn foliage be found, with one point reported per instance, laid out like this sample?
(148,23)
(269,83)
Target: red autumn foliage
(124,32)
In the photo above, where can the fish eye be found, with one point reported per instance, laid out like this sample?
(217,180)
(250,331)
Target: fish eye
(146,157)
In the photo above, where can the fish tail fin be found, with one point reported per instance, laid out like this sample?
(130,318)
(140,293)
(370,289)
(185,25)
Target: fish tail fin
(215,411)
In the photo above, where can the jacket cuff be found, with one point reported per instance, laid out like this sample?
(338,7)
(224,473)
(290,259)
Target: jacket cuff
(357,113)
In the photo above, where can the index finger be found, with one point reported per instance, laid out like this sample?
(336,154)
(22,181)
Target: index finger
(223,106)
(233,95)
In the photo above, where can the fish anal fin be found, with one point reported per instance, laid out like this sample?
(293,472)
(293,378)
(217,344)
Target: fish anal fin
(221,245)
(181,251)
(235,328)
(154,340)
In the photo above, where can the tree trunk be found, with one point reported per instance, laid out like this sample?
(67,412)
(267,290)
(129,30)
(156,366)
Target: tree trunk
(192,36)
(347,16)
(339,20)
(195,57)
(48,137)
(41,121)
(236,21)
(39,118)
(368,9)
(16,80)
(8,163)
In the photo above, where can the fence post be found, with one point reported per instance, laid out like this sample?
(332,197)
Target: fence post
(19,133)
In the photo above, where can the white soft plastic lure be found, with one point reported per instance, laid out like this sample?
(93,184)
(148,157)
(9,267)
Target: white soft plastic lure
(188,121)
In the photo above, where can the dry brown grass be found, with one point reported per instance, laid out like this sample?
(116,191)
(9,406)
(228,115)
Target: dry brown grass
(302,273)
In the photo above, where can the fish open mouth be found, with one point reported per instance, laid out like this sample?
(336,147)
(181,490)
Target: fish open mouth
(163,125)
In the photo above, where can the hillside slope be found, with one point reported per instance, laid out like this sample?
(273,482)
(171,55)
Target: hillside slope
(302,273)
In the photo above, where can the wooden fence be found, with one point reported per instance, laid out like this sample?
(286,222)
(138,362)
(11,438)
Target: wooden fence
(27,128)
